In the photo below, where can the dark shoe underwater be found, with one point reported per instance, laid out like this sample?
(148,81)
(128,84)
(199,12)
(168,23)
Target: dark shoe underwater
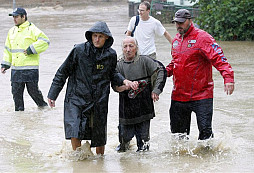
(144,147)
(123,147)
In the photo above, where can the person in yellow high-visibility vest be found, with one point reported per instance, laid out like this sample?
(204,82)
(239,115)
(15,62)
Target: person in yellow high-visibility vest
(23,45)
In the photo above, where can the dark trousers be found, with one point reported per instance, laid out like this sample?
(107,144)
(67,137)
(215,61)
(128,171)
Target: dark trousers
(180,117)
(33,91)
(140,130)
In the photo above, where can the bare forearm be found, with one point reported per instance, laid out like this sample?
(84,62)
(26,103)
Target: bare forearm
(168,37)
(121,88)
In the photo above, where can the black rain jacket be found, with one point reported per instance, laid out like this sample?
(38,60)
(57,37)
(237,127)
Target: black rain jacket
(89,71)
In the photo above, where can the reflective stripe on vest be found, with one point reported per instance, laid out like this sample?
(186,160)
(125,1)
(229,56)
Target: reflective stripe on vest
(33,49)
(41,38)
(6,63)
(14,50)
(24,67)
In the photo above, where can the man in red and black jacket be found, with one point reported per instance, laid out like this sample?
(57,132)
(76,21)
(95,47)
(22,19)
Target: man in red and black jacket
(194,52)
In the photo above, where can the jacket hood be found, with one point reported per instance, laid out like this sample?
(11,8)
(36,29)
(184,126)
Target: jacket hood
(100,27)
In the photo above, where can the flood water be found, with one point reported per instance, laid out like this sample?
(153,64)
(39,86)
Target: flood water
(33,140)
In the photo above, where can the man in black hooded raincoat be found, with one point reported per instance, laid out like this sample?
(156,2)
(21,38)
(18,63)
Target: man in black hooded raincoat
(90,67)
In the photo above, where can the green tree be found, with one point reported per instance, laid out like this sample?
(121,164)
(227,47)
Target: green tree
(227,19)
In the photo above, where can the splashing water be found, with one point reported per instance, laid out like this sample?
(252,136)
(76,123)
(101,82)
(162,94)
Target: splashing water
(183,145)
(81,153)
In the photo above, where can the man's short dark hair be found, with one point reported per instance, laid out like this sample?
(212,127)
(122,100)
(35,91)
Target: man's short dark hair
(147,4)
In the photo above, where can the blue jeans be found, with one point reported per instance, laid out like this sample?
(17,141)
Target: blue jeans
(180,117)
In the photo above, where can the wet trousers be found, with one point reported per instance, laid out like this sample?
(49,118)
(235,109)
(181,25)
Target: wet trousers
(140,130)
(33,91)
(180,117)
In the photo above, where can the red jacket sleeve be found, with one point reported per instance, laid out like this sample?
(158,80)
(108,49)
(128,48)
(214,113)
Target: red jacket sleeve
(216,56)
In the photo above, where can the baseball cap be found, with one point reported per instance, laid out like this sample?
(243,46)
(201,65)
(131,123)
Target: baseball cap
(181,15)
(18,11)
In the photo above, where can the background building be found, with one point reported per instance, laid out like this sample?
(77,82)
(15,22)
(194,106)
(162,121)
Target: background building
(163,10)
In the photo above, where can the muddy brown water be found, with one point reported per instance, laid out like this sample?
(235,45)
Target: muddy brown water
(33,140)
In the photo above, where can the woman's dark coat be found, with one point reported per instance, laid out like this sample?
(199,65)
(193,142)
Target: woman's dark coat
(89,71)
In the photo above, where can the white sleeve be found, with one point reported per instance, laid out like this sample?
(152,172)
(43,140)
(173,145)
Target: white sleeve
(131,23)
(159,30)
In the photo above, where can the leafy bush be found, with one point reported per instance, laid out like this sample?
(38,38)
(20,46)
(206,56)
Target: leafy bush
(227,19)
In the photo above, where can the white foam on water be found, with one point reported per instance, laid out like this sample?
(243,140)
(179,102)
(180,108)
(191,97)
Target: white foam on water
(177,145)
(81,153)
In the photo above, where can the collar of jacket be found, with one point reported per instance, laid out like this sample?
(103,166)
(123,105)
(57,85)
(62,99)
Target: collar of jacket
(96,49)
(135,59)
(188,32)
(24,25)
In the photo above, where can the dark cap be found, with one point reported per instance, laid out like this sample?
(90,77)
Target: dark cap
(18,11)
(181,15)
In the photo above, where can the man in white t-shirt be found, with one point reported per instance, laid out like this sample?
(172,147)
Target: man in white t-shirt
(146,29)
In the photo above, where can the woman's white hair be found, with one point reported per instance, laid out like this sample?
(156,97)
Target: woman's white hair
(136,43)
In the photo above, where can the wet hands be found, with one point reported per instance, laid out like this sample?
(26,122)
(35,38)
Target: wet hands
(229,88)
(131,85)
(3,70)
(155,97)
(25,52)
(51,103)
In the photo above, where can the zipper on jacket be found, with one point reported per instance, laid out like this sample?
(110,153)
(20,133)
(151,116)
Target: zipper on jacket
(181,42)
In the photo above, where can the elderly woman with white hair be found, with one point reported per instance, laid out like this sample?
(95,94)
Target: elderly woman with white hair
(136,107)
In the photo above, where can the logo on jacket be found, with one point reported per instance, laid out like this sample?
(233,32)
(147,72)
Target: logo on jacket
(218,50)
(191,43)
(175,44)
(100,67)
